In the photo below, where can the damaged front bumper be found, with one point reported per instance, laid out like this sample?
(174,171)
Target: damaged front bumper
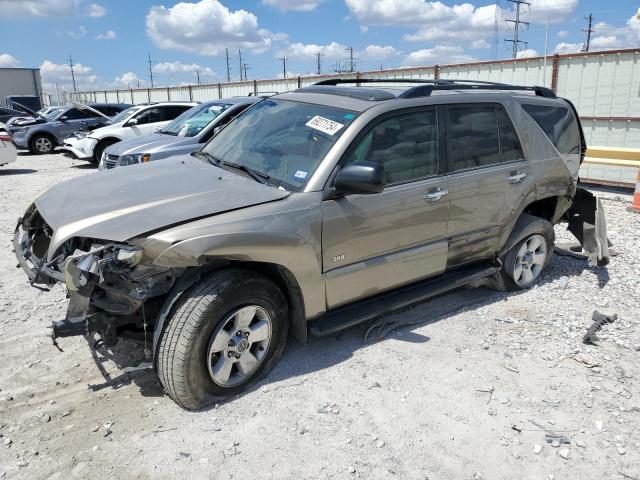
(108,284)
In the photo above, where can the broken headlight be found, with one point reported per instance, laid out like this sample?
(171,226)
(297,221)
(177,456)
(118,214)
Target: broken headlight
(83,270)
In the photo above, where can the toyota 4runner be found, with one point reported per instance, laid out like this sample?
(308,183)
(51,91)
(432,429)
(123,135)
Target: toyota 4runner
(310,212)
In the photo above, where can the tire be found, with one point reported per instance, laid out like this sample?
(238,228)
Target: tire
(523,264)
(100,148)
(41,144)
(200,338)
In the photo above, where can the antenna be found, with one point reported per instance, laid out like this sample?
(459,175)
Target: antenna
(319,56)
(73,77)
(516,27)
(228,71)
(589,31)
(150,70)
(284,66)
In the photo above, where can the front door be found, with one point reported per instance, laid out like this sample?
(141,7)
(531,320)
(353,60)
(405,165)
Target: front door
(372,243)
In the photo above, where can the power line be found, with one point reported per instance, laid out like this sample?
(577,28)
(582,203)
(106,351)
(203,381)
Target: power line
(516,27)
(150,71)
(228,71)
(73,77)
(588,31)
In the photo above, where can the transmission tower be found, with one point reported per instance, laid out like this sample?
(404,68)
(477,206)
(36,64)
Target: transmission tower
(516,27)
(319,56)
(588,31)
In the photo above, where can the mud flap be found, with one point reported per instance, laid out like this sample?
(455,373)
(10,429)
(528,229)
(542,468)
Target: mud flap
(588,224)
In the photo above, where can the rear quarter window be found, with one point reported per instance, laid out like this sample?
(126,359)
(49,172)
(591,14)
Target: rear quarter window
(560,125)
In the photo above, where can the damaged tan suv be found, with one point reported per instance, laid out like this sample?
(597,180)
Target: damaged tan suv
(313,211)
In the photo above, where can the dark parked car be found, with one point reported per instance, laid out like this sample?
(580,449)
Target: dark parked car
(7,113)
(45,134)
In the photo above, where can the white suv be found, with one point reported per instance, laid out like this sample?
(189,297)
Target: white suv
(134,122)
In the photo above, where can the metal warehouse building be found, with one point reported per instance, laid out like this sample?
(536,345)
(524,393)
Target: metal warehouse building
(20,81)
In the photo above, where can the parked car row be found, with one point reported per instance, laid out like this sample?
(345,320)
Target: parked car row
(310,212)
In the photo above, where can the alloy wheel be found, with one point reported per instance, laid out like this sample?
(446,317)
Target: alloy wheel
(530,260)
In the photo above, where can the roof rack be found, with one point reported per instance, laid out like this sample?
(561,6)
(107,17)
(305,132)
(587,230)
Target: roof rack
(426,87)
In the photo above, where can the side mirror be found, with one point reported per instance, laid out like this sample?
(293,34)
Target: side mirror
(132,122)
(360,177)
(64,118)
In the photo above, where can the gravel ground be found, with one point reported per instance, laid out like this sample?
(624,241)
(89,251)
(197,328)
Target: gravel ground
(492,391)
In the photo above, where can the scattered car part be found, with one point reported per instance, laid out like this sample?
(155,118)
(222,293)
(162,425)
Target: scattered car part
(599,321)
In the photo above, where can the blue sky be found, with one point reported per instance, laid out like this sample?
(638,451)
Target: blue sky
(110,39)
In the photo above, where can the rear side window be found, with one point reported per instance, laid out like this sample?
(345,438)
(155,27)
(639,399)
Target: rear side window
(151,115)
(560,125)
(170,113)
(472,137)
(510,148)
(75,114)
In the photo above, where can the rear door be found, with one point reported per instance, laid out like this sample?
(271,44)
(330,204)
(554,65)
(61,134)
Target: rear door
(75,120)
(489,174)
(372,243)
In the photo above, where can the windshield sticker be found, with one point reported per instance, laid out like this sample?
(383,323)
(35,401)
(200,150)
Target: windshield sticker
(349,116)
(324,125)
(301,174)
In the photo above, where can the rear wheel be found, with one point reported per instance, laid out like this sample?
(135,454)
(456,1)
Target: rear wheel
(41,144)
(525,261)
(225,333)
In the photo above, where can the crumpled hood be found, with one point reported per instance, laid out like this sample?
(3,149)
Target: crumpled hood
(147,144)
(123,203)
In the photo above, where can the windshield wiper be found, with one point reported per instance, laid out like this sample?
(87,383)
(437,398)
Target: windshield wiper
(207,156)
(165,132)
(257,176)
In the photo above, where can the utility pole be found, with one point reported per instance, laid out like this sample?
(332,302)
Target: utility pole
(350,62)
(245,67)
(228,71)
(496,30)
(150,71)
(588,31)
(516,27)
(240,63)
(198,75)
(284,66)
(319,62)
(73,77)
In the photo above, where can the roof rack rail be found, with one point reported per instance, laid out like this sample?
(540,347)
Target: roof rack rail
(426,87)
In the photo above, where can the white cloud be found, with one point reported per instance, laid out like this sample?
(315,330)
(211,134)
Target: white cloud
(128,79)
(562,34)
(75,34)
(440,54)
(108,35)
(480,44)
(53,73)
(436,21)
(297,5)
(8,61)
(377,52)
(95,11)
(528,53)
(301,51)
(172,68)
(564,47)
(554,10)
(207,27)
(608,37)
(50,8)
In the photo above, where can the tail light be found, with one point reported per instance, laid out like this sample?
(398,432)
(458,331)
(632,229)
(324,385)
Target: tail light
(5,137)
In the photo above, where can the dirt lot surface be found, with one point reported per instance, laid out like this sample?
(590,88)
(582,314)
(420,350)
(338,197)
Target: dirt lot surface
(502,389)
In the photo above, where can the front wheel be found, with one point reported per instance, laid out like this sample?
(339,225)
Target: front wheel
(226,332)
(525,261)
(41,144)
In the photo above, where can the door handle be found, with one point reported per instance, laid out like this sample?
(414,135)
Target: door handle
(515,177)
(435,195)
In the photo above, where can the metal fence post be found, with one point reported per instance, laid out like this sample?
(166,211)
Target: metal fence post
(554,73)
(219,90)
(168,94)
(190,94)
(149,95)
